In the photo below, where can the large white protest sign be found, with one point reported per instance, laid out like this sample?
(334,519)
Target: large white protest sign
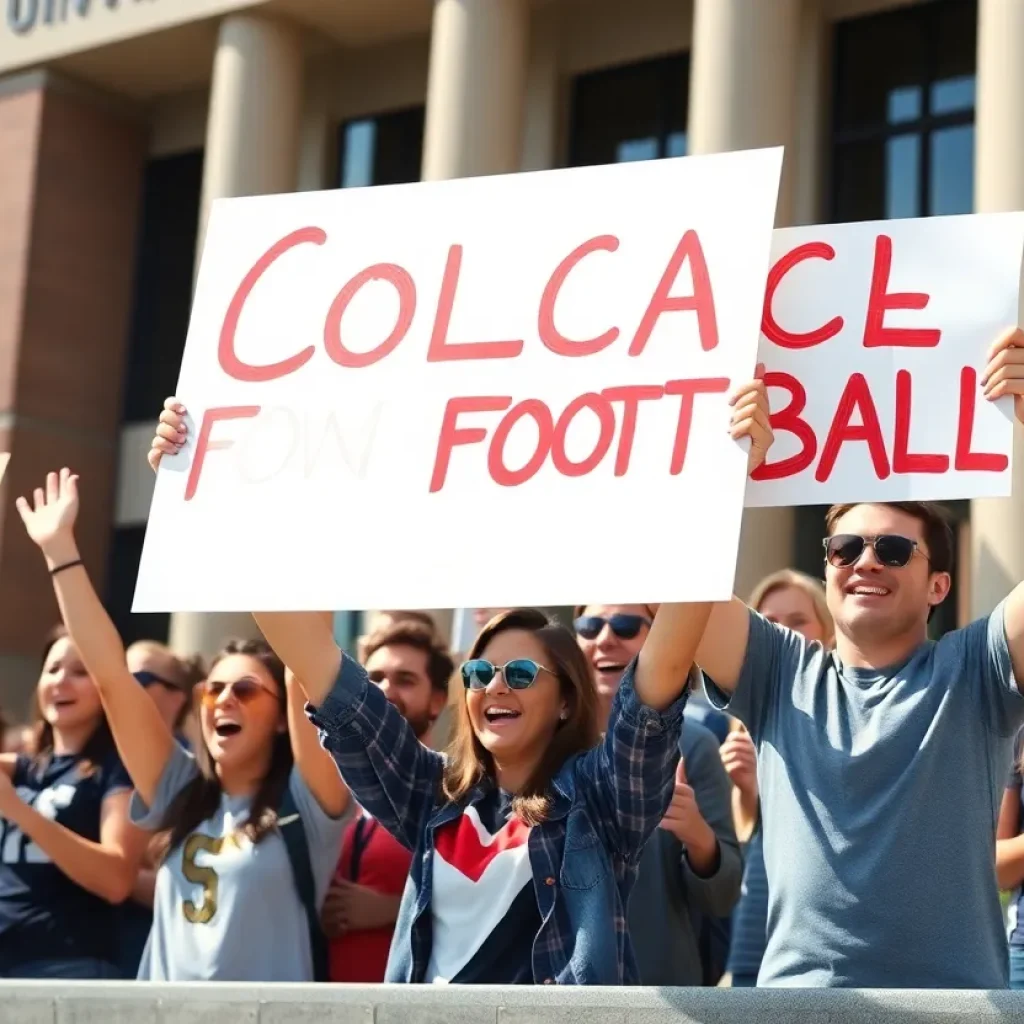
(494,391)
(874,338)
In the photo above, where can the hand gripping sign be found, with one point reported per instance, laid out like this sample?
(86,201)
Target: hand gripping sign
(873,337)
(492,391)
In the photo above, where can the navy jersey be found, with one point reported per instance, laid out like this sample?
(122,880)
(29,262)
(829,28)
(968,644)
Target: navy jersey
(43,914)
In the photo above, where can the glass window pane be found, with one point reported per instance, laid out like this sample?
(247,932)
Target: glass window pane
(636,149)
(951,171)
(877,56)
(358,153)
(905,104)
(859,182)
(903,176)
(676,144)
(637,112)
(953,94)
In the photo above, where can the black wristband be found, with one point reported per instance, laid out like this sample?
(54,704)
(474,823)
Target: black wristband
(66,565)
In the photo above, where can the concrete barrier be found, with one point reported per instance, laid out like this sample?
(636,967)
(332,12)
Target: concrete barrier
(47,1002)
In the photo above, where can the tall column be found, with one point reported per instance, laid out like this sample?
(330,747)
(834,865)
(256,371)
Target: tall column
(743,95)
(252,148)
(475,88)
(997,524)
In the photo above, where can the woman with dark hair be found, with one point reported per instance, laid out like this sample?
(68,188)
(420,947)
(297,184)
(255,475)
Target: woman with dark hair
(68,853)
(227,864)
(526,835)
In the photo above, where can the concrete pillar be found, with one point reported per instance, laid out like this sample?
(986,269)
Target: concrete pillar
(997,524)
(475,88)
(252,148)
(743,95)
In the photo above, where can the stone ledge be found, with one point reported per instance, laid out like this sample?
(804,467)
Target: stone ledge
(48,1002)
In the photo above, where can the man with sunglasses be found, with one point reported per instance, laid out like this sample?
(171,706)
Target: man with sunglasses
(691,869)
(881,763)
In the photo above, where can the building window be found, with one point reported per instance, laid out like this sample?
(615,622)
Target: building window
(123,571)
(634,112)
(162,302)
(904,113)
(382,150)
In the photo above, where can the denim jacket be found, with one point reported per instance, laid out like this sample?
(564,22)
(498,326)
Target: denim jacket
(606,803)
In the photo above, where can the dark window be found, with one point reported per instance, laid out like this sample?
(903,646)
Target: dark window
(382,150)
(634,112)
(904,113)
(164,263)
(125,555)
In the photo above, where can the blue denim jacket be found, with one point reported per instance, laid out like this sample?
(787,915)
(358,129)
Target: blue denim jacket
(606,804)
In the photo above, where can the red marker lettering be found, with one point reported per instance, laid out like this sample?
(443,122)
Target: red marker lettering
(229,361)
(880,301)
(904,461)
(856,396)
(500,473)
(770,327)
(405,286)
(701,302)
(687,389)
(602,409)
(452,435)
(789,418)
(440,350)
(204,444)
(966,460)
(631,395)
(549,333)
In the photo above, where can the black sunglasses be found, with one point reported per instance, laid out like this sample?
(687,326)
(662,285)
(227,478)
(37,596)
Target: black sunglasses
(624,626)
(148,679)
(519,673)
(890,549)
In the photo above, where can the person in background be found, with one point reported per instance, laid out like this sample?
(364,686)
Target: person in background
(796,601)
(390,617)
(412,668)
(1010,861)
(68,853)
(166,680)
(689,876)
(251,822)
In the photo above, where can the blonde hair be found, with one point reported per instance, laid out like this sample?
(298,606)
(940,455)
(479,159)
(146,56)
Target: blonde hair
(813,588)
(176,668)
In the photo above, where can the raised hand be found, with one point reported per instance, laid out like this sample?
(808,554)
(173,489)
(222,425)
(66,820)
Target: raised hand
(50,519)
(1004,372)
(751,418)
(739,757)
(171,432)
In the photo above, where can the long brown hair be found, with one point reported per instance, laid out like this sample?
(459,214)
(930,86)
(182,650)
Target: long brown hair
(200,799)
(468,763)
(96,749)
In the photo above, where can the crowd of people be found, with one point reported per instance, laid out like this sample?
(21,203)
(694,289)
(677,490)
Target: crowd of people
(796,789)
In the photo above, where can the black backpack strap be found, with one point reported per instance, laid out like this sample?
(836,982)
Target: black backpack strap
(293,832)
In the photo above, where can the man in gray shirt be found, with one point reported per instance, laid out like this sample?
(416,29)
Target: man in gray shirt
(881,763)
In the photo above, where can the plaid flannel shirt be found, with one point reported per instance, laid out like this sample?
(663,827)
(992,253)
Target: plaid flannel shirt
(606,803)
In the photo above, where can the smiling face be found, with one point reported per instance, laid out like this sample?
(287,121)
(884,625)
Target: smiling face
(240,724)
(610,652)
(68,698)
(516,726)
(791,606)
(875,604)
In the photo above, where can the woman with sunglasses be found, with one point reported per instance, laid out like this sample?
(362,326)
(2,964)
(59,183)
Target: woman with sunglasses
(225,869)
(526,834)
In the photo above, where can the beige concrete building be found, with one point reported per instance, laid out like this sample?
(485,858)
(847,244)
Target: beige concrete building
(121,120)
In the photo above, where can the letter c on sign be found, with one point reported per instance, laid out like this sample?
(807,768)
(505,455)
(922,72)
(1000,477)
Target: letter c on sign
(229,361)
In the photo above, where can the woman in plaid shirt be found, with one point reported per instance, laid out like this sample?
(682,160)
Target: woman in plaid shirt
(526,834)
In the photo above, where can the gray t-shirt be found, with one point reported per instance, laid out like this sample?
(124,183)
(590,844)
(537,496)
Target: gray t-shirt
(880,792)
(225,910)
